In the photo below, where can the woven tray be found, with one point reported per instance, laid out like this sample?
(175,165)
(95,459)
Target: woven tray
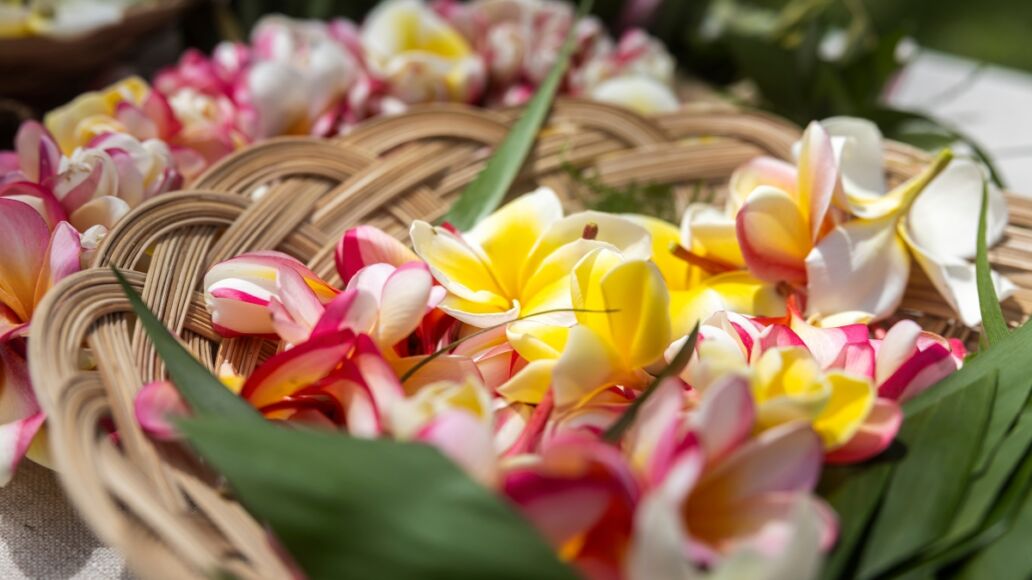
(153,501)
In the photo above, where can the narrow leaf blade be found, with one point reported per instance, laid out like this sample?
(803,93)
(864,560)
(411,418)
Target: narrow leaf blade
(487,191)
(993,323)
(371,508)
(616,430)
(202,390)
(942,444)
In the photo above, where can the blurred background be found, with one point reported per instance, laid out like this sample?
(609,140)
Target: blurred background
(929,72)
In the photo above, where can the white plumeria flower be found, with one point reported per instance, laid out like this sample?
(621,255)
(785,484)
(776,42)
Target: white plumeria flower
(849,268)
(642,94)
(419,54)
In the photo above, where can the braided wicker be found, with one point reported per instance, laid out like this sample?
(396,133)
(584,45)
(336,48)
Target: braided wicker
(154,501)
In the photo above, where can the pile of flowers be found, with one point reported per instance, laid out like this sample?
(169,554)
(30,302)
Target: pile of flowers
(515,347)
(73,177)
(298,77)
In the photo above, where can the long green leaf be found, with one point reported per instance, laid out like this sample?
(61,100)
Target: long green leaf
(488,190)
(1010,358)
(854,491)
(1008,557)
(616,430)
(202,390)
(993,323)
(358,508)
(942,445)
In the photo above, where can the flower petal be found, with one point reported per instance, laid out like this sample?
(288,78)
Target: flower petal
(530,384)
(774,235)
(873,437)
(403,302)
(104,211)
(62,258)
(944,218)
(642,94)
(858,144)
(38,153)
(954,278)
(365,245)
(297,368)
(155,405)
(24,237)
(861,265)
(639,318)
(725,416)
(846,409)
(761,171)
(587,366)
(818,176)
(508,235)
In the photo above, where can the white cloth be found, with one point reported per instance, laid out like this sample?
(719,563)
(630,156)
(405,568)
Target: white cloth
(42,537)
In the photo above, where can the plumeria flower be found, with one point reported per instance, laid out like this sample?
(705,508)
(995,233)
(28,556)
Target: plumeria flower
(705,279)
(299,73)
(419,55)
(238,291)
(455,417)
(714,488)
(518,260)
(936,225)
(37,255)
(580,493)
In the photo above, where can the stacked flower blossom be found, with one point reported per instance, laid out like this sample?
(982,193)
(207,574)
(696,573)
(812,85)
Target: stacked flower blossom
(517,346)
(69,180)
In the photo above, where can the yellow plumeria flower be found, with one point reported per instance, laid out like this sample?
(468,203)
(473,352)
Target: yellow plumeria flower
(93,113)
(697,292)
(623,326)
(788,385)
(518,260)
(422,57)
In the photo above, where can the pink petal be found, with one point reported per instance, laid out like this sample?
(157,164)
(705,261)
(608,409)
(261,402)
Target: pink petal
(62,258)
(295,369)
(403,302)
(37,151)
(782,459)
(20,415)
(920,371)
(465,439)
(37,196)
(380,378)
(725,416)
(898,345)
(155,405)
(762,171)
(295,307)
(24,237)
(365,245)
(353,309)
(818,175)
(874,436)
(779,335)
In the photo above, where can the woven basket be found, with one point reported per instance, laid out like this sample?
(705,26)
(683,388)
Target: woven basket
(154,501)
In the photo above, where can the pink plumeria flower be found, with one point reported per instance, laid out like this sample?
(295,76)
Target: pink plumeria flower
(714,489)
(36,257)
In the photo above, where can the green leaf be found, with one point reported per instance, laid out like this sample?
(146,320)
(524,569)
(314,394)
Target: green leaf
(202,390)
(854,492)
(1010,359)
(1008,557)
(993,324)
(616,430)
(488,190)
(371,508)
(942,444)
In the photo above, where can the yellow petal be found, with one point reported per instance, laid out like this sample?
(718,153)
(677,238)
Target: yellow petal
(534,339)
(640,320)
(664,235)
(508,235)
(587,365)
(586,288)
(851,400)
(530,384)
(899,199)
(733,291)
(774,235)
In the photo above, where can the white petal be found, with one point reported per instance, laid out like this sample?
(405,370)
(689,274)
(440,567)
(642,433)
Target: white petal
(954,278)
(858,148)
(641,94)
(861,265)
(944,217)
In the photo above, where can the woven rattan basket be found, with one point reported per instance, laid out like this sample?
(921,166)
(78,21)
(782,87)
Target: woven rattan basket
(154,501)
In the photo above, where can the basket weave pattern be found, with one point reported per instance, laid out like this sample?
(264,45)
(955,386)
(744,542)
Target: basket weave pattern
(154,501)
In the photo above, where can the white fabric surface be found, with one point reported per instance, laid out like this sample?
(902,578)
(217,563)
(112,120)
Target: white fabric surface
(42,537)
